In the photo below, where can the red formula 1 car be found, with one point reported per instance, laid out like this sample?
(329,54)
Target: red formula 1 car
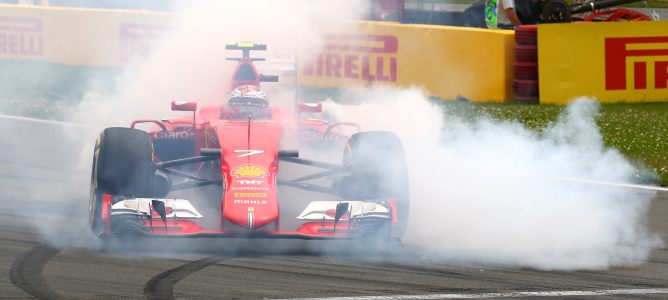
(223,172)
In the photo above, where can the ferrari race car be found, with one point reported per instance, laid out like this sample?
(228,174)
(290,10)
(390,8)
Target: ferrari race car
(222,172)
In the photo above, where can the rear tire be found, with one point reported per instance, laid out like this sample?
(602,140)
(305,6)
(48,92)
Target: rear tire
(377,165)
(122,166)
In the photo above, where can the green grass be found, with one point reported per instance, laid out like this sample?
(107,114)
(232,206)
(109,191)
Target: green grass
(639,131)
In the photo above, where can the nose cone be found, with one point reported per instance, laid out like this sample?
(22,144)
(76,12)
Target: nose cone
(250,214)
(250,166)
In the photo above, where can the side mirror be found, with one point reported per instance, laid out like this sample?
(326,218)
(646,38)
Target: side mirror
(310,107)
(184,106)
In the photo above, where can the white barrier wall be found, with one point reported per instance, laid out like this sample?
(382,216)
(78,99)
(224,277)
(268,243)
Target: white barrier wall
(71,36)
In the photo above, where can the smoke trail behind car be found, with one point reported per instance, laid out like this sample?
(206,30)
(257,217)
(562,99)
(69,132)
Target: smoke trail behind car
(481,192)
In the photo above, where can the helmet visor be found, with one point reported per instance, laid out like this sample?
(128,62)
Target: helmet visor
(243,107)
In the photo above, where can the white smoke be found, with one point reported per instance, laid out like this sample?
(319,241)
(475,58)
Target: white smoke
(480,189)
(484,191)
(188,64)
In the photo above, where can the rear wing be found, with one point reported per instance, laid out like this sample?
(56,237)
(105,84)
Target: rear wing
(246,72)
(246,48)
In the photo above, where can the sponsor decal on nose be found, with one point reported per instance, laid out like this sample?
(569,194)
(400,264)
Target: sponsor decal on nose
(250,195)
(249,201)
(248,152)
(250,171)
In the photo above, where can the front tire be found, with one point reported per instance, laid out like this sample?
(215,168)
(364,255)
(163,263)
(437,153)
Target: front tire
(377,171)
(122,166)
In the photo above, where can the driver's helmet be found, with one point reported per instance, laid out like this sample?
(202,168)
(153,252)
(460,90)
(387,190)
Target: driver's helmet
(248,101)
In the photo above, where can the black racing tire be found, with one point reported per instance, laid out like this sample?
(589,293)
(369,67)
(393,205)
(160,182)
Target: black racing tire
(526,88)
(377,171)
(525,70)
(526,53)
(122,166)
(556,11)
(526,35)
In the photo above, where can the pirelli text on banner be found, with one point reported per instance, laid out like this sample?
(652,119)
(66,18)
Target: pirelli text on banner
(137,41)
(21,37)
(648,55)
(365,57)
(615,62)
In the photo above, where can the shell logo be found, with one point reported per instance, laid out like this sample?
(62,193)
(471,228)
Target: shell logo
(250,171)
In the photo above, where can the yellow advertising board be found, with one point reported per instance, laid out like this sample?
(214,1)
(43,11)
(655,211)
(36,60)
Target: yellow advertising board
(612,61)
(72,36)
(446,61)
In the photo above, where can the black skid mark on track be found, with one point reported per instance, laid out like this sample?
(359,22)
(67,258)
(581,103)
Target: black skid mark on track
(162,285)
(27,272)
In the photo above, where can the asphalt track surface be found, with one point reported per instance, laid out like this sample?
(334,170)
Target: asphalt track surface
(46,251)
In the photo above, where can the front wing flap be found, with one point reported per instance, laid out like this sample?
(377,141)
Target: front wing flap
(181,218)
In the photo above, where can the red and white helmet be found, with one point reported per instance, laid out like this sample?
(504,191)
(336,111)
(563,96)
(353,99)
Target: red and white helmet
(248,101)
(248,91)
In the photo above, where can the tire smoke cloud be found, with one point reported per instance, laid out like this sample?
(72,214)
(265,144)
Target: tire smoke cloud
(482,191)
(188,64)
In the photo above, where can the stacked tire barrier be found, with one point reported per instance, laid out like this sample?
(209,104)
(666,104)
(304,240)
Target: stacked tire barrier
(525,67)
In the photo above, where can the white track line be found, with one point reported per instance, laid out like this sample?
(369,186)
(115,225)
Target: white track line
(625,185)
(502,295)
(40,121)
